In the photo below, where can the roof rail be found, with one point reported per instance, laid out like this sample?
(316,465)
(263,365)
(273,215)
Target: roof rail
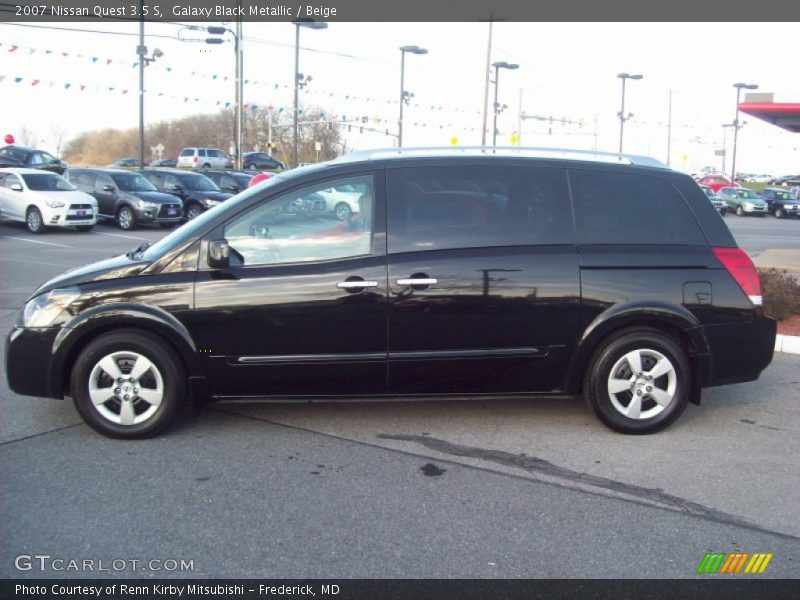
(503,151)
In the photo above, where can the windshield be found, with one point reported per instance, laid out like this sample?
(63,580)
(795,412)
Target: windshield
(197,226)
(749,194)
(199,183)
(133,182)
(47,182)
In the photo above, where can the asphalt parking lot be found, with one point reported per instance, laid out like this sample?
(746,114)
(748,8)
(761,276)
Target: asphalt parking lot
(484,489)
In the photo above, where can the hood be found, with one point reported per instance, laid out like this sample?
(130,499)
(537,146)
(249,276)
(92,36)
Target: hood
(73,197)
(156,197)
(219,196)
(116,267)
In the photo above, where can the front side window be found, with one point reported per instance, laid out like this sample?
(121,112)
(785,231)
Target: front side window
(199,183)
(104,183)
(626,208)
(298,226)
(439,208)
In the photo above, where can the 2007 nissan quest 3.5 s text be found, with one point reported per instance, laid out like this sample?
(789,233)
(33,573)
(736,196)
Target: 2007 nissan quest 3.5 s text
(474,272)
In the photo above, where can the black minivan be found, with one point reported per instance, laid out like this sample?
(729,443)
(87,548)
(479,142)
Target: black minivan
(480,272)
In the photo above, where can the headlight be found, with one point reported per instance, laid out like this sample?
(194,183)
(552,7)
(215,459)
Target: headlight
(748,206)
(54,203)
(210,202)
(45,308)
(144,204)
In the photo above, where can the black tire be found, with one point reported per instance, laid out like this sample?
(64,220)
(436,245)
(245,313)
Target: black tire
(126,218)
(723,212)
(251,167)
(34,221)
(159,353)
(779,214)
(342,211)
(85,227)
(610,354)
(739,211)
(167,225)
(193,211)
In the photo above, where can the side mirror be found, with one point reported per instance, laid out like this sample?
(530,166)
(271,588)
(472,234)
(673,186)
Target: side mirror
(176,188)
(219,254)
(234,188)
(17,187)
(107,188)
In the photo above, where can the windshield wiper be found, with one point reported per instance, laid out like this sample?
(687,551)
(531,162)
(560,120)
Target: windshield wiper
(136,252)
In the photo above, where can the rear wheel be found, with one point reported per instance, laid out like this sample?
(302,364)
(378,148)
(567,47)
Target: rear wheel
(639,381)
(207,166)
(34,221)
(128,384)
(342,211)
(126,219)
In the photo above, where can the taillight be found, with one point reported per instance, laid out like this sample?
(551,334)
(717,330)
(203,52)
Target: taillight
(196,159)
(742,269)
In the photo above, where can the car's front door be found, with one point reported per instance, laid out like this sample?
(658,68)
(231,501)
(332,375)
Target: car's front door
(106,193)
(13,201)
(301,310)
(483,278)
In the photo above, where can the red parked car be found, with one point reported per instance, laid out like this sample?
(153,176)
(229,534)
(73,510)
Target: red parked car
(716,181)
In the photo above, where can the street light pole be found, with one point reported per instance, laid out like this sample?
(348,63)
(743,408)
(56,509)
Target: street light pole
(621,114)
(497,109)
(736,126)
(239,91)
(309,24)
(405,97)
(141,52)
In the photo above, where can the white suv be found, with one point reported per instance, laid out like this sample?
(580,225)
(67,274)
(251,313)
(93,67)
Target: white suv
(41,199)
(204,158)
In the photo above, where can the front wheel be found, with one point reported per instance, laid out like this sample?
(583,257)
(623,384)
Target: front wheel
(193,212)
(128,384)
(779,214)
(739,211)
(34,221)
(126,218)
(639,381)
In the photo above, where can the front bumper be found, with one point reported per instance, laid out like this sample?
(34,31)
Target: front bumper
(157,214)
(68,216)
(29,360)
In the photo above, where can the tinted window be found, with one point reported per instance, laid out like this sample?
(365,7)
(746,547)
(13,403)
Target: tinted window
(187,152)
(623,208)
(202,152)
(49,182)
(198,183)
(83,179)
(438,208)
(102,181)
(133,182)
(280,230)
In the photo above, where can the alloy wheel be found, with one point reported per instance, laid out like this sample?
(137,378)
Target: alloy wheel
(642,384)
(126,388)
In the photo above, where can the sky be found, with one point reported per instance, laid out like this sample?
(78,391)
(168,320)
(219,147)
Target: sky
(567,71)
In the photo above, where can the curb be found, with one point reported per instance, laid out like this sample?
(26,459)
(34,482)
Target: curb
(789,344)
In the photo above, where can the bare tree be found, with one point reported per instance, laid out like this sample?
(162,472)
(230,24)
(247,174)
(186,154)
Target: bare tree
(58,133)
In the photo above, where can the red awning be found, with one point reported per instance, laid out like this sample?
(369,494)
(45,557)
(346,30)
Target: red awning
(782,114)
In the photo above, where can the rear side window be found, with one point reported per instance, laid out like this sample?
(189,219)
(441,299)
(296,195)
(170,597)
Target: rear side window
(440,208)
(187,152)
(624,208)
(202,152)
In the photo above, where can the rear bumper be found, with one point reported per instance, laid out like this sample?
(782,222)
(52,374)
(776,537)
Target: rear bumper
(740,351)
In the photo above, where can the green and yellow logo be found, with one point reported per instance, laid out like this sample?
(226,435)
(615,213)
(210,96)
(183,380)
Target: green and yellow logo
(734,562)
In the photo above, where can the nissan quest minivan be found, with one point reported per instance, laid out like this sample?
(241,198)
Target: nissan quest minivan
(463,272)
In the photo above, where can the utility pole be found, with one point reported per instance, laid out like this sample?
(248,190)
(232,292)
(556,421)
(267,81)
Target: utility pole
(239,90)
(519,119)
(486,83)
(669,130)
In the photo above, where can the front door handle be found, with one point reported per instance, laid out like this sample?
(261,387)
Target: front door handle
(355,284)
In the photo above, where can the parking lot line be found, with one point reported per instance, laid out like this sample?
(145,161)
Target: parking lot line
(122,235)
(13,237)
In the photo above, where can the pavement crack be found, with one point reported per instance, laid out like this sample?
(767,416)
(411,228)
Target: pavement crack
(41,433)
(538,466)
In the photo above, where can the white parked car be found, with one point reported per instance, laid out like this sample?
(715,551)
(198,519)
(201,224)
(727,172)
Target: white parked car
(204,158)
(763,178)
(42,199)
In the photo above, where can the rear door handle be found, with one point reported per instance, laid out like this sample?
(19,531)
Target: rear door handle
(418,281)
